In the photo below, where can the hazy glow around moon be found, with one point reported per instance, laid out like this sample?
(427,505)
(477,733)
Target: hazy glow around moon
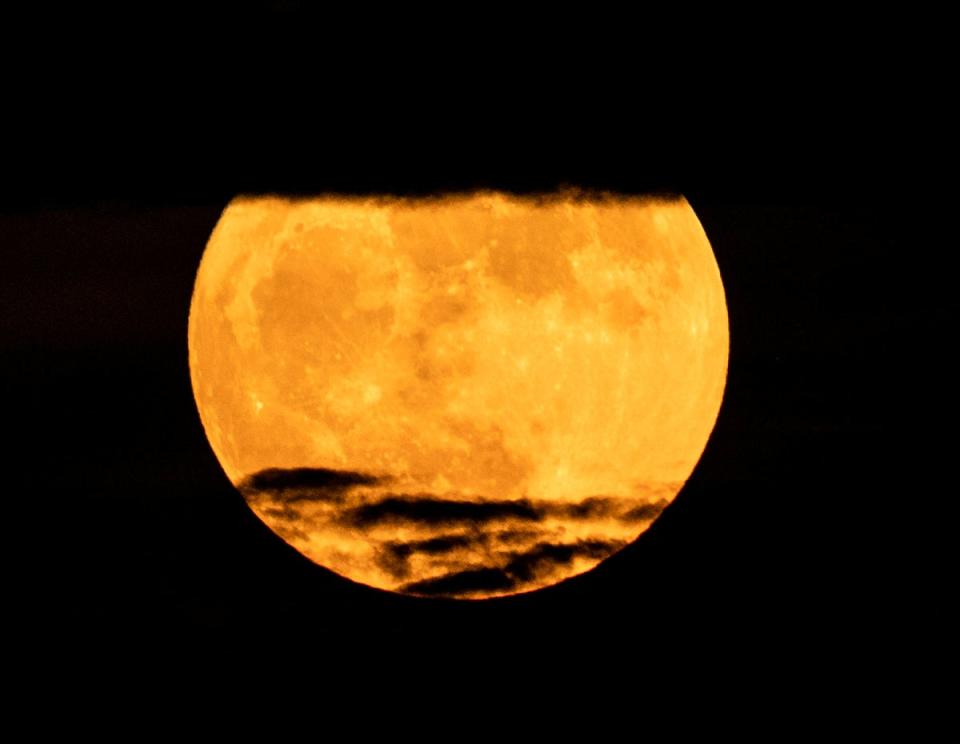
(469,396)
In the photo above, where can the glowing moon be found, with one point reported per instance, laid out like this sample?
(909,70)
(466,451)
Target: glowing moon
(469,396)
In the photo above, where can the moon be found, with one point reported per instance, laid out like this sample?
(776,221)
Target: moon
(466,396)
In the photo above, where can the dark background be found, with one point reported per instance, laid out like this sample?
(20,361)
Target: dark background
(799,539)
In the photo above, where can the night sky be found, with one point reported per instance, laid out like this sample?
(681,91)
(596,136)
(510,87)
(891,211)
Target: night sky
(793,538)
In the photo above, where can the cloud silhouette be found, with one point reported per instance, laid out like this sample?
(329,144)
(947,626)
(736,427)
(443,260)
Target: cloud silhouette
(482,580)
(593,507)
(291,485)
(469,545)
(304,484)
(436,545)
(429,509)
(542,560)
(393,556)
(432,510)
(644,512)
(520,536)
(285,513)
(545,558)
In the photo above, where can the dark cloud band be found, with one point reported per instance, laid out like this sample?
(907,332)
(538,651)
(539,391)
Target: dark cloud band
(304,484)
(428,509)
(545,558)
(290,485)
(480,547)
(472,581)
(542,560)
(644,512)
(431,510)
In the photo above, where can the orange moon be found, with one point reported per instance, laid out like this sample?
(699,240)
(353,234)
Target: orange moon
(468,396)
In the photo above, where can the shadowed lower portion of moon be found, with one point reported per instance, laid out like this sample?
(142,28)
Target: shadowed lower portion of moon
(470,396)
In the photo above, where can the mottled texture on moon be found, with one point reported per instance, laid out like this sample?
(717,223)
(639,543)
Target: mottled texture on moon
(470,396)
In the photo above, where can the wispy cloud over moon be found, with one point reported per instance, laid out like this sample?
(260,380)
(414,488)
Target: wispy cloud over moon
(519,570)
(441,544)
(304,484)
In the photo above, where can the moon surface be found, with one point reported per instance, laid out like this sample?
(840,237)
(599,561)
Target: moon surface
(467,396)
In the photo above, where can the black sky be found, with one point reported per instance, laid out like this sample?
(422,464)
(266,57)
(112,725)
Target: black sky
(814,183)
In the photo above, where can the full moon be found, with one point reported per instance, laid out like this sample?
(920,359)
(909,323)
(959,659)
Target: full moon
(466,396)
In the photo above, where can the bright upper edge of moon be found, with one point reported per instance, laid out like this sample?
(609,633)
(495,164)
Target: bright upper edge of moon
(467,396)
